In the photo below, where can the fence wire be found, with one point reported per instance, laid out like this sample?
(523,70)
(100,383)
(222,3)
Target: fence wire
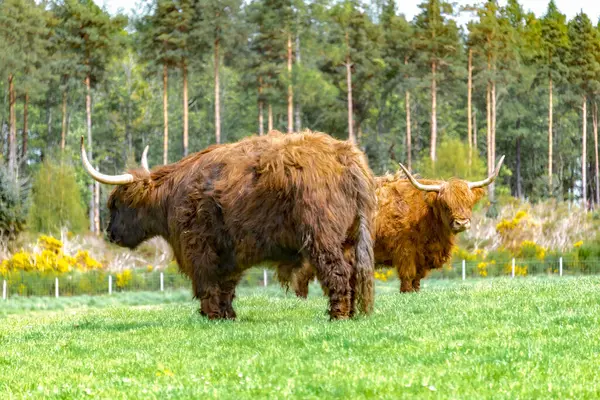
(26,284)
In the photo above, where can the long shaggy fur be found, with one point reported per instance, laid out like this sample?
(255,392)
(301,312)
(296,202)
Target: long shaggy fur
(282,198)
(413,228)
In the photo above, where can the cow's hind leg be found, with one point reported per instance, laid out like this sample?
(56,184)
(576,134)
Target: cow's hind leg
(334,273)
(302,278)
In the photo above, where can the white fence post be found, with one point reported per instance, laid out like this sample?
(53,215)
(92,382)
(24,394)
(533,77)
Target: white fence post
(56,287)
(162,282)
(560,266)
(265,277)
(464,270)
(512,273)
(4,290)
(110,284)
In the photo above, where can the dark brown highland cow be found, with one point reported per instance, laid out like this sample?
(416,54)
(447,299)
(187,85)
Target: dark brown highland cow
(279,198)
(416,227)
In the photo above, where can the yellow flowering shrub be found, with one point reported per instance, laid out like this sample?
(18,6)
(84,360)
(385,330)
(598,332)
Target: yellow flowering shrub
(384,275)
(49,258)
(482,269)
(530,249)
(520,270)
(123,279)
(51,244)
(515,231)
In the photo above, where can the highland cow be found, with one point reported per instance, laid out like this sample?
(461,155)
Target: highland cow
(415,227)
(275,198)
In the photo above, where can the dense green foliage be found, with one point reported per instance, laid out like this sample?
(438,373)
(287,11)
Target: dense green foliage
(56,200)
(265,60)
(525,338)
(13,205)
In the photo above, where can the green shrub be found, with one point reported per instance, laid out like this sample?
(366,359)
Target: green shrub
(452,161)
(56,199)
(13,205)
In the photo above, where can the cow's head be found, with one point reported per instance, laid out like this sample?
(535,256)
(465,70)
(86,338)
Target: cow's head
(131,220)
(453,200)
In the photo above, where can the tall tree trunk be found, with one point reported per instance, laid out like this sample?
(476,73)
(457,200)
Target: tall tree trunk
(217,95)
(184,71)
(519,191)
(298,110)
(351,136)
(25,128)
(584,154)
(550,132)
(489,132)
(433,112)
(12,131)
(88,113)
(475,131)
(493,144)
(290,99)
(269,118)
(261,128)
(63,130)
(48,118)
(165,114)
(97,207)
(595,127)
(408,125)
(469,106)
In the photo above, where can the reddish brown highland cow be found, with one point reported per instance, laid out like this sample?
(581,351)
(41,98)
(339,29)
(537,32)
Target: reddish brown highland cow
(416,227)
(279,198)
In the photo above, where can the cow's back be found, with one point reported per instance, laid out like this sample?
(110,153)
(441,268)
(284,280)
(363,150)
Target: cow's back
(279,191)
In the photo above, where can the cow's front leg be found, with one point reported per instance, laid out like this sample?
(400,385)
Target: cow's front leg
(407,272)
(226,296)
(406,285)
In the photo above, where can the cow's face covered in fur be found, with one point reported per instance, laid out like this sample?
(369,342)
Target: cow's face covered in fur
(131,219)
(453,200)
(127,224)
(454,203)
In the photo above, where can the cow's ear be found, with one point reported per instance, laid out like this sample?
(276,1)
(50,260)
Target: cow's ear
(430,198)
(478,193)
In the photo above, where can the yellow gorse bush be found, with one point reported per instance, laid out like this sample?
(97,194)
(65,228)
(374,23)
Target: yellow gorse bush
(123,279)
(49,258)
(530,249)
(384,275)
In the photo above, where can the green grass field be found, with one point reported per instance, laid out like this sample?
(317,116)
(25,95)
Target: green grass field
(495,338)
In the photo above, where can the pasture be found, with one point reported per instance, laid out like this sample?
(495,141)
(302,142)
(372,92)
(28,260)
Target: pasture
(492,338)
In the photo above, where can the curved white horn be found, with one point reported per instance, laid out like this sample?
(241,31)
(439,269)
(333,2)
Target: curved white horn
(145,159)
(420,186)
(489,179)
(100,177)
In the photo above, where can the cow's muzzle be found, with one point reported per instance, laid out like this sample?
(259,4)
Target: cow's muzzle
(460,225)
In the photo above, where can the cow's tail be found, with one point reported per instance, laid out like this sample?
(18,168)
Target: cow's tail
(365,260)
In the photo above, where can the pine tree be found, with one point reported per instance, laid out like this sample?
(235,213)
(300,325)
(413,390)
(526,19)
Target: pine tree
(555,43)
(162,44)
(93,37)
(23,34)
(216,23)
(437,44)
(584,69)
(397,51)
